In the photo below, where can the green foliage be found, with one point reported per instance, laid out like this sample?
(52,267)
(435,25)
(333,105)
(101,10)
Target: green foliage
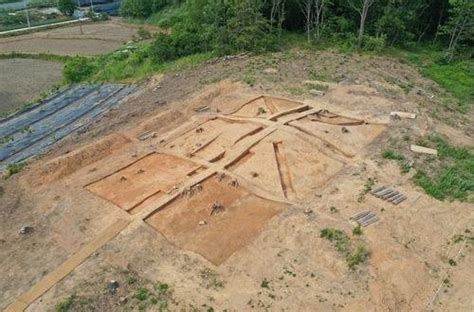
(265,284)
(141,8)
(457,78)
(453,177)
(375,44)
(66,7)
(369,184)
(357,230)
(65,305)
(390,154)
(358,256)
(78,69)
(343,244)
(14,168)
(96,17)
(339,238)
(207,26)
(142,294)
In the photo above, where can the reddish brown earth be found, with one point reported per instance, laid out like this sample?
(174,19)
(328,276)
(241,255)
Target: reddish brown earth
(289,173)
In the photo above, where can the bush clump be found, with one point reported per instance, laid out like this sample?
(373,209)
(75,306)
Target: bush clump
(78,69)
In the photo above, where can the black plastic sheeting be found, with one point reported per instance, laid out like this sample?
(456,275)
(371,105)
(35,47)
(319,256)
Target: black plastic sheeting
(32,131)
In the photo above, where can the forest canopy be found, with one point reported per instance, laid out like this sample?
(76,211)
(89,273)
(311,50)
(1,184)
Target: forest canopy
(228,26)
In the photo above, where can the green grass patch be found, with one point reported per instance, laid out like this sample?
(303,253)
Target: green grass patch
(451,176)
(354,255)
(165,18)
(14,168)
(357,230)
(457,78)
(369,184)
(142,294)
(66,304)
(129,64)
(390,154)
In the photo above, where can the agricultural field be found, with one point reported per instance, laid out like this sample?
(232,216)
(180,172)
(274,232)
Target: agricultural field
(95,39)
(23,80)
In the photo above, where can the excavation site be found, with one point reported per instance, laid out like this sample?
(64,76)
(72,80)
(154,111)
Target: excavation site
(228,197)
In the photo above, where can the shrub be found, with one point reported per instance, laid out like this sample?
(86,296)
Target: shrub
(143,34)
(359,255)
(66,7)
(141,8)
(168,47)
(14,168)
(357,230)
(78,69)
(97,16)
(373,43)
(142,294)
(65,305)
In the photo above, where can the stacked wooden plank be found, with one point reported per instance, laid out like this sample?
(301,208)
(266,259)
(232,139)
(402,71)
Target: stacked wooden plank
(389,194)
(365,218)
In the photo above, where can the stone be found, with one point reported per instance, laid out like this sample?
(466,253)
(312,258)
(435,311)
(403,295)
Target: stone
(113,285)
(270,70)
(201,223)
(25,229)
(345,130)
(317,92)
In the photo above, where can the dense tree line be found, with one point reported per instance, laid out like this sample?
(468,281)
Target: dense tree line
(256,25)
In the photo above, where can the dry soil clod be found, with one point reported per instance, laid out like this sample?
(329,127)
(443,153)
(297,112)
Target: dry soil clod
(234,183)
(220,176)
(216,208)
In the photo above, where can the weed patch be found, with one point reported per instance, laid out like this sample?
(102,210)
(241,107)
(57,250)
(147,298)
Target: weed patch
(14,168)
(390,154)
(343,244)
(451,176)
(367,188)
(66,304)
(210,279)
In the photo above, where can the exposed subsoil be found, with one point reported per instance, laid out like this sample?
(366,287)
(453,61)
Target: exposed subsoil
(286,178)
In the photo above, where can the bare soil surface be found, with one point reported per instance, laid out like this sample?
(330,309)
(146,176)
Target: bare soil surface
(88,39)
(22,80)
(248,239)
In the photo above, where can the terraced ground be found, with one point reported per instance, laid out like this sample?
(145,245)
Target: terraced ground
(22,80)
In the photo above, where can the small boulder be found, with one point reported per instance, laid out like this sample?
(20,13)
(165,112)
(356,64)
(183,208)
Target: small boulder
(26,229)
(317,92)
(113,285)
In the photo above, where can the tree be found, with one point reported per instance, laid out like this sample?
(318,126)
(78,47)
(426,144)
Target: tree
(319,6)
(247,28)
(362,7)
(66,7)
(306,7)
(277,15)
(460,25)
